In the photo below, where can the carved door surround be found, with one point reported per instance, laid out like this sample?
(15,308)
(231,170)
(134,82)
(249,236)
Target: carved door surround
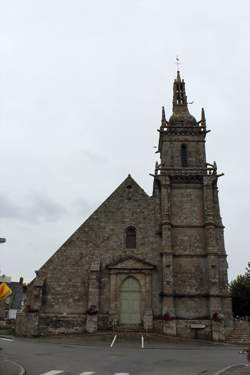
(142,272)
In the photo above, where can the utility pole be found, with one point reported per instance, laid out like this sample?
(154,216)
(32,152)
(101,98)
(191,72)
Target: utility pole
(2,240)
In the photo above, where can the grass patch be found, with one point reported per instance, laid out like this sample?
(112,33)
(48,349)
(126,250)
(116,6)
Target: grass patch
(7,331)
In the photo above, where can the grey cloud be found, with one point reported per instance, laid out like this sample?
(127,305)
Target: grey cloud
(8,209)
(92,156)
(80,102)
(35,208)
(81,206)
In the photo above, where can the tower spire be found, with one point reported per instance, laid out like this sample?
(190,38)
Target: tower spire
(179,94)
(181,115)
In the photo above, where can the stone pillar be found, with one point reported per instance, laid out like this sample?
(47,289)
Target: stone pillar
(148,313)
(27,324)
(93,298)
(227,309)
(168,308)
(113,299)
(218,331)
(215,305)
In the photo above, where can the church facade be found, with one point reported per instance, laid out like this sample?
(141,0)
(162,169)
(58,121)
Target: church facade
(139,262)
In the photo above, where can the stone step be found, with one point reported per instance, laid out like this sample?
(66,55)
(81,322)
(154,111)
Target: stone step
(246,342)
(240,330)
(240,334)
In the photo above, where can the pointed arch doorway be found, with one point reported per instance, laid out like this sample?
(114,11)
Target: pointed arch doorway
(130,301)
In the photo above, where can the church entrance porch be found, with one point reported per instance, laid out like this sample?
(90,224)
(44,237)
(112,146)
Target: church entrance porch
(130,302)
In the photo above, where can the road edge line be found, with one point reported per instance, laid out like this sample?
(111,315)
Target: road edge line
(222,371)
(22,370)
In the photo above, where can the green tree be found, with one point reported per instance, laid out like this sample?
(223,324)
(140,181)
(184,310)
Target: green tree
(248,270)
(240,290)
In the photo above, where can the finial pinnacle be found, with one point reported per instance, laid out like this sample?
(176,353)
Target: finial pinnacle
(163,117)
(203,117)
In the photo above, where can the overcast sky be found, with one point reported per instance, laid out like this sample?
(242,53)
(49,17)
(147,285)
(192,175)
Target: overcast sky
(82,83)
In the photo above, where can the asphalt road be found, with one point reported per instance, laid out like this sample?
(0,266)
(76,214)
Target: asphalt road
(93,356)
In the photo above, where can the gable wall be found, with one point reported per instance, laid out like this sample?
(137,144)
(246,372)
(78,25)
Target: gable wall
(102,237)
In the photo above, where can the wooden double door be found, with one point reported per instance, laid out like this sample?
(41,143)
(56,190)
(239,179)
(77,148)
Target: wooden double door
(130,301)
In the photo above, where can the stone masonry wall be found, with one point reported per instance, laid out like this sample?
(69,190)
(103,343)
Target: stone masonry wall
(171,151)
(102,236)
(187,205)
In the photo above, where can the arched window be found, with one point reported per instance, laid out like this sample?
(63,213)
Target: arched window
(130,238)
(184,160)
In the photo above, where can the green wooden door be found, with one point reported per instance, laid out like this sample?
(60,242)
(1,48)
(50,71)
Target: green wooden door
(130,302)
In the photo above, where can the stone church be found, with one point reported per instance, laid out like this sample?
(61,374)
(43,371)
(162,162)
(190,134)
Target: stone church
(148,263)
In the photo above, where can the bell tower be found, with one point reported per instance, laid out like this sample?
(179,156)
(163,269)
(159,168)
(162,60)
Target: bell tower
(194,266)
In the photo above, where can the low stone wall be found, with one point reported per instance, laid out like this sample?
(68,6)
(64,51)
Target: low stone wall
(31,324)
(27,324)
(61,324)
(184,329)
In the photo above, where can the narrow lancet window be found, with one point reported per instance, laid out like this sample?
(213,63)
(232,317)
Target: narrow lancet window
(184,160)
(130,238)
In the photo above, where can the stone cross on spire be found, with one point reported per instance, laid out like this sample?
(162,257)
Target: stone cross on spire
(178,63)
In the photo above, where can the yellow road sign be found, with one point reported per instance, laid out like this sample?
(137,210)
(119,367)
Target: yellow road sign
(5,291)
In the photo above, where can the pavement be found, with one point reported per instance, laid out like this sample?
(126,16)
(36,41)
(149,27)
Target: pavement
(74,354)
(8,367)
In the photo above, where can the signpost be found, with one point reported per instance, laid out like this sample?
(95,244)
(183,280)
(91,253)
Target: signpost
(5,291)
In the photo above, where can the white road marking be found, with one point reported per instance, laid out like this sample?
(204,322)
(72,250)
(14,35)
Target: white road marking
(142,342)
(5,339)
(112,343)
(53,372)
(222,371)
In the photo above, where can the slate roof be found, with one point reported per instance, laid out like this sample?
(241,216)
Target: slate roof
(17,295)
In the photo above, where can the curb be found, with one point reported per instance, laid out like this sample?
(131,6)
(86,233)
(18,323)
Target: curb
(232,367)
(20,369)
